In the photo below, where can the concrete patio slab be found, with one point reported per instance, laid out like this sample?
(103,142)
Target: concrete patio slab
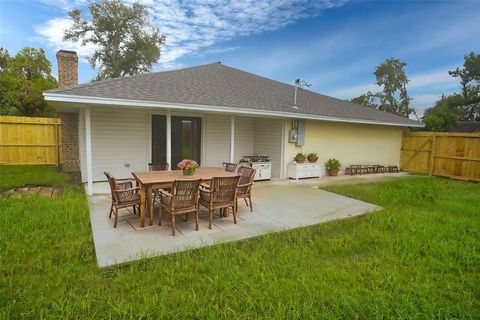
(278,205)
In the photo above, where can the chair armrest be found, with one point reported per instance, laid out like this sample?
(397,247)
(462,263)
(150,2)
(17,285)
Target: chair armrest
(244,185)
(124,182)
(165,193)
(204,186)
(126,190)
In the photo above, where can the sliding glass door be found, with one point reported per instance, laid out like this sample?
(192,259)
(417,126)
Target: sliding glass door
(186,139)
(159,142)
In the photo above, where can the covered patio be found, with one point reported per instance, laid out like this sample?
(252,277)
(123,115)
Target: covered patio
(125,140)
(278,205)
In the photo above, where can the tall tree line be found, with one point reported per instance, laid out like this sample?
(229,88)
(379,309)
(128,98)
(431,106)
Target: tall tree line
(461,106)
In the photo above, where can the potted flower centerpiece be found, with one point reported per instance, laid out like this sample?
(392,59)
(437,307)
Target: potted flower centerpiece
(332,166)
(312,157)
(300,158)
(188,166)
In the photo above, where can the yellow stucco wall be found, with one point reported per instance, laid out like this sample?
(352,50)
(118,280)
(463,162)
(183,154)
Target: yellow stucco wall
(350,143)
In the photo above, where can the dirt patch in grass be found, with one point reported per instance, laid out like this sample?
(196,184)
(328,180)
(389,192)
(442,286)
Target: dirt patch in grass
(43,191)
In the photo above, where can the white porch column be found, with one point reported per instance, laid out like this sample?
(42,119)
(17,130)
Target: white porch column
(88,151)
(168,136)
(232,137)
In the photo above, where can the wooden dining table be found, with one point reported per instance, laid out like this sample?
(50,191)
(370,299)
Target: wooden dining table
(147,179)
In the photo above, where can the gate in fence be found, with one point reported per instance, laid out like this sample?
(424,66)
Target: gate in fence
(447,154)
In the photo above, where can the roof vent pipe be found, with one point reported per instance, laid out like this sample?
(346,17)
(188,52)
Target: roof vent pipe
(299,84)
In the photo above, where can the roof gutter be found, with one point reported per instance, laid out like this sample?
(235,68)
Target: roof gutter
(58,97)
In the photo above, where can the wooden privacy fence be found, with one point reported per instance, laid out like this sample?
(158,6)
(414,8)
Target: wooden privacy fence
(447,154)
(28,140)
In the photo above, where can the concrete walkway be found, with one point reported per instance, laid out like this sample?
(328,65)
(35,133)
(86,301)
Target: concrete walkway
(278,205)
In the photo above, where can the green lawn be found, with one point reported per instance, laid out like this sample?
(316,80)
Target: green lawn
(19,176)
(418,258)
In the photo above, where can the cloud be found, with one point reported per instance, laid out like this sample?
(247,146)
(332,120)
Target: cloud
(354,91)
(433,81)
(53,32)
(195,27)
(425,100)
(63,4)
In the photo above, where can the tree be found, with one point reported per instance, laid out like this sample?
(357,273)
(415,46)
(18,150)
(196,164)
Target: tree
(368,99)
(439,118)
(391,76)
(23,77)
(126,42)
(468,106)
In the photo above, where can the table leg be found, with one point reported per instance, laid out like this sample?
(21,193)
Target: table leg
(149,204)
(142,205)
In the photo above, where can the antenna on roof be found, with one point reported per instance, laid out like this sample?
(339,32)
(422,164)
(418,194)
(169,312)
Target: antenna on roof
(299,84)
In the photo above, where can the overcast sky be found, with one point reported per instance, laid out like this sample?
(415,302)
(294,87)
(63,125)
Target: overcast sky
(334,45)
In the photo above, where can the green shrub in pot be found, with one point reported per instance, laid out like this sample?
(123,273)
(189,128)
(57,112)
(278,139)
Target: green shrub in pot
(332,166)
(300,157)
(312,157)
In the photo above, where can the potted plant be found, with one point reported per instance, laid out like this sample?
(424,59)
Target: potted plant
(187,166)
(312,157)
(332,166)
(300,158)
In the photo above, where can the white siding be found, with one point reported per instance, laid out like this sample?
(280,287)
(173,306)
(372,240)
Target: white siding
(216,142)
(244,137)
(81,144)
(121,137)
(268,141)
(119,142)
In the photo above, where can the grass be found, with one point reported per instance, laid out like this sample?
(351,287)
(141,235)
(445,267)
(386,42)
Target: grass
(419,258)
(19,176)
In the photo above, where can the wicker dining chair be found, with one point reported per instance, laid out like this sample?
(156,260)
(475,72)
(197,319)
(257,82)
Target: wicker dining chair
(124,195)
(230,167)
(158,166)
(157,187)
(221,194)
(245,183)
(182,199)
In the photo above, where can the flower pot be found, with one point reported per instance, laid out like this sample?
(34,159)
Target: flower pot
(300,159)
(312,159)
(188,171)
(333,172)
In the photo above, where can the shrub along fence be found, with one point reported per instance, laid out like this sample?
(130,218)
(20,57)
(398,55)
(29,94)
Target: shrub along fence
(29,140)
(447,154)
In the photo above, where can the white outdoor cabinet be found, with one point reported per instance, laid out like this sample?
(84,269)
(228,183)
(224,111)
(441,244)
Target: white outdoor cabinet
(304,170)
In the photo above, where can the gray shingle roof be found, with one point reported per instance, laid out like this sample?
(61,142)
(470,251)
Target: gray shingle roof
(219,85)
(466,127)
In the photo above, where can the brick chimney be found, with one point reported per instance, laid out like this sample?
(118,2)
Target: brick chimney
(67,68)
(68,76)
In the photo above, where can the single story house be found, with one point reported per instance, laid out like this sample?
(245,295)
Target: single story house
(211,113)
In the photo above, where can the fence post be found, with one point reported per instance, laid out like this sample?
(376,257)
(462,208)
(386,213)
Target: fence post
(432,154)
